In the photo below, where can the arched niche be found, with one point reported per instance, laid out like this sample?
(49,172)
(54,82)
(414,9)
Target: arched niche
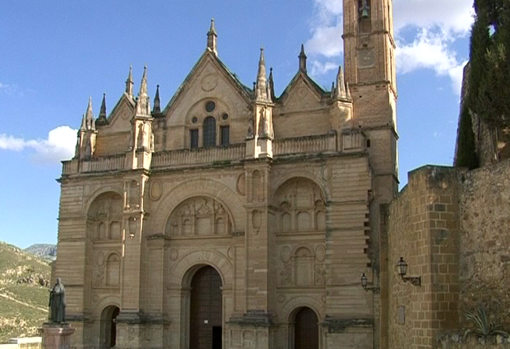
(199,216)
(301,206)
(104,218)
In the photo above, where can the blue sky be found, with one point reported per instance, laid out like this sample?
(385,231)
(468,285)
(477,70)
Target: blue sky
(56,54)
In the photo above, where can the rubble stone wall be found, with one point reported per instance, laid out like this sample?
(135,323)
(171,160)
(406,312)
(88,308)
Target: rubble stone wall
(452,228)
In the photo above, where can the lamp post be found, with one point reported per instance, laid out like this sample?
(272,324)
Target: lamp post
(402,271)
(364,283)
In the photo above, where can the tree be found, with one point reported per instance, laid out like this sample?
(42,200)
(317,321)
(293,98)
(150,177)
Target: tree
(488,91)
(466,153)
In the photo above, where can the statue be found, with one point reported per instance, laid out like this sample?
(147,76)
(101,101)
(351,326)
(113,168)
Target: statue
(57,302)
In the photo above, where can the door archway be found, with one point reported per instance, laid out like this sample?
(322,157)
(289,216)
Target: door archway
(109,326)
(306,329)
(206,316)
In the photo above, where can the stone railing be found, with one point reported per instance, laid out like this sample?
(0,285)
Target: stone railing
(308,144)
(198,156)
(106,163)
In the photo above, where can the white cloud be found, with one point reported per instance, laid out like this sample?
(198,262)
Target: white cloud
(431,50)
(320,68)
(8,89)
(58,146)
(453,16)
(326,28)
(435,26)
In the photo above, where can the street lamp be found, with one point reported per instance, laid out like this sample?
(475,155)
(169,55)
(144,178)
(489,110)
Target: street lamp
(402,270)
(364,283)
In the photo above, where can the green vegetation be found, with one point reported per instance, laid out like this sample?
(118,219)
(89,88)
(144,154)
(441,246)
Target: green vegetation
(488,92)
(483,326)
(24,282)
(466,151)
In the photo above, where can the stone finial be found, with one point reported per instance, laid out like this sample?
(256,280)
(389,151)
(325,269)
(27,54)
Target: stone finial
(157,103)
(90,123)
(302,59)
(340,84)
(271,93)
(143,103)
(261,86)
(101,119)
(83,126)
(129,82)
(212,38)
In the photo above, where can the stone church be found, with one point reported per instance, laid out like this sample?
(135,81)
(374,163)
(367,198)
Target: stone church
(233,217)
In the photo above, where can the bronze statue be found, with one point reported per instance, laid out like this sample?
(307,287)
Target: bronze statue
(57,302)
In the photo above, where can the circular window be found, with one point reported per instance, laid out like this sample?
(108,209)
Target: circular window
(194,120)
(224,116)
(210,106)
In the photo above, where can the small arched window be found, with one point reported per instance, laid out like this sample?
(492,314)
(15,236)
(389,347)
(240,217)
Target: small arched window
(209,132)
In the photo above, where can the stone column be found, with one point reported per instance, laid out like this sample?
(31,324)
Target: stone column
(56,335)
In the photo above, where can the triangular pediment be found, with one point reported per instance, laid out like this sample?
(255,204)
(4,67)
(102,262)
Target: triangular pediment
(208,78)
(119,119)
(301,93)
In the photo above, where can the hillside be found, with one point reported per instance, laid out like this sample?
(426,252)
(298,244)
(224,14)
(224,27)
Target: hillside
(44,251)
(24,282)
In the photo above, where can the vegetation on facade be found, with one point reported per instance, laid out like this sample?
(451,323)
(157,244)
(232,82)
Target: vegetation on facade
(23,293)
(466,150)
(483,325)
(488,92)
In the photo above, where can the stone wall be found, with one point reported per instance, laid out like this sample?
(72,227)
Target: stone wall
(485,241)
(424,232)
(450,226)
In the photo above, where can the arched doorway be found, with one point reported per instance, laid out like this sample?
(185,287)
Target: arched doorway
(206,318)
(306,329)
(109,327)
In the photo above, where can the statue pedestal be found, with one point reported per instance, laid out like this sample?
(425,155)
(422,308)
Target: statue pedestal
(56,335)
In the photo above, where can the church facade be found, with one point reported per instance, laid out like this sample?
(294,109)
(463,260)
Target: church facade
(232,217)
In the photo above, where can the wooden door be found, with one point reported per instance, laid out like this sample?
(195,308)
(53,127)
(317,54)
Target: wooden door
(205,309)
(306,330)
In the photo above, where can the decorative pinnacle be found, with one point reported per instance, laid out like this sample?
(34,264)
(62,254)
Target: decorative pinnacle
(261,91)
(88,121)
(102,111)
(143,103)
(157,103)
(212,29)
(302,59)
(129,82)
(271,85)
(101,119)
(212,38)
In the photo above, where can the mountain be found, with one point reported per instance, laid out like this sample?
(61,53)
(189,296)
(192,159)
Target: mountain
(24,283)
(45,251)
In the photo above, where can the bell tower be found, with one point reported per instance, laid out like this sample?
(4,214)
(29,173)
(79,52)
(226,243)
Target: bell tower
(369,50)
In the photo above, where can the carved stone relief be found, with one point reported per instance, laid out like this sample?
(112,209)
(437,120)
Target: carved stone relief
(174,254)
(199,216)
(105,219)
(106,272)
(209,82)
(256,218)
(156,190)
(301,207)
(257,187)
(302,267)
(133,200)
(241,184)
